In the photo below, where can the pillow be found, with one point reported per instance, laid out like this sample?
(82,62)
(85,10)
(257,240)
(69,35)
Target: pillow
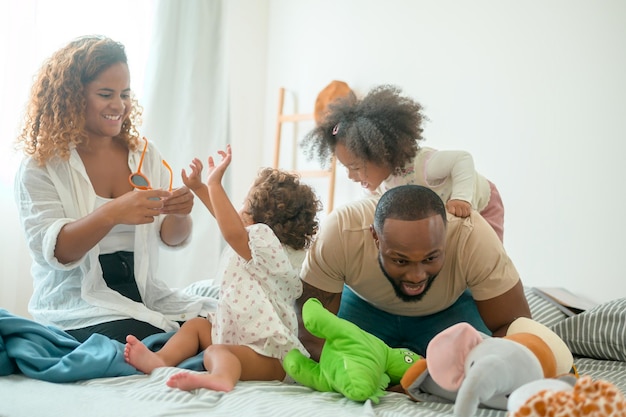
(598,333)
(203,288)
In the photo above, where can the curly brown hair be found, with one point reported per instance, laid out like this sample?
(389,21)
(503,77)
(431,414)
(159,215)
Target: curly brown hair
(55,115)
(278,199)
(383,128)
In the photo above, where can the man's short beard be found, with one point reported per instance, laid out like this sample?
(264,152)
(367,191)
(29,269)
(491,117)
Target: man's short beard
(401,295)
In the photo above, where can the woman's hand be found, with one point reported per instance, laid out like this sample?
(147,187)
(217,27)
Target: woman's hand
(137,206)
(176,225)
(180,202)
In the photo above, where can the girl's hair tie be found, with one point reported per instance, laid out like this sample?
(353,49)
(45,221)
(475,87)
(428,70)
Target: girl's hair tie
(335,129)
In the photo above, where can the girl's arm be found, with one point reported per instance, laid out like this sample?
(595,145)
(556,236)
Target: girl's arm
(194,182)
(215,199)
(229,221)
(459,166)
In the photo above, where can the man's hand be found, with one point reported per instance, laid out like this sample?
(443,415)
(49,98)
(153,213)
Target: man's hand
(330,301)
(499,312)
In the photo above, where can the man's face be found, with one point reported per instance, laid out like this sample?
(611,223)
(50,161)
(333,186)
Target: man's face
(411,254)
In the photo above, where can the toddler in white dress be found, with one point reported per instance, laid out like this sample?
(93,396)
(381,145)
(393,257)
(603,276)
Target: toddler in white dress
(255,323)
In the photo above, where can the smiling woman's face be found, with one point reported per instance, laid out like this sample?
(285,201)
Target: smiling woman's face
(108,102)
(369,175)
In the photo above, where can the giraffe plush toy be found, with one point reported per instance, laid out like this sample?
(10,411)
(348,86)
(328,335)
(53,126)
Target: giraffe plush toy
(586,398)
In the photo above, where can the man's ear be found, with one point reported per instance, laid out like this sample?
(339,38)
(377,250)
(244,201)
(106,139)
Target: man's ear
(374,235)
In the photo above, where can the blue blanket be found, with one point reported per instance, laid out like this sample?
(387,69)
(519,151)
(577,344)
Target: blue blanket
(47,353)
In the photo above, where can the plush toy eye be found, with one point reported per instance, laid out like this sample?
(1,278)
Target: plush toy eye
(409,356)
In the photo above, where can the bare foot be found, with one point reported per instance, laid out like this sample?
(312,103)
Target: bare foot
(138,355)
(188,381)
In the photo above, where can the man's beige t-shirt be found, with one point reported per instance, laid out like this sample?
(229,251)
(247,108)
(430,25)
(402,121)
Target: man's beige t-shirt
(344,252)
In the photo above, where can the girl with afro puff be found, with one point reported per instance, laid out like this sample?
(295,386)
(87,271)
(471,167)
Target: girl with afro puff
(255,324)
(377,138)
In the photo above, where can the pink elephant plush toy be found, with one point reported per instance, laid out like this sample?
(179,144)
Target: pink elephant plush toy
(471,369)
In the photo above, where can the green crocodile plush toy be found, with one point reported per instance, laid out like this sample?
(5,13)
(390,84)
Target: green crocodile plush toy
(353,362)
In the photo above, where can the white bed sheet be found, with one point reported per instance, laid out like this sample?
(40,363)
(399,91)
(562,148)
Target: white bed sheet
(149,396)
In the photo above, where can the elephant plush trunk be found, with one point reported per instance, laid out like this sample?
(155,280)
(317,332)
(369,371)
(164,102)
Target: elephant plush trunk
(476,387)
(489,380)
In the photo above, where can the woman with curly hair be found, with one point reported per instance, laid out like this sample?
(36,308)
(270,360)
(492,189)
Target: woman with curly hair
(255,324)
(378,140)
(94,202)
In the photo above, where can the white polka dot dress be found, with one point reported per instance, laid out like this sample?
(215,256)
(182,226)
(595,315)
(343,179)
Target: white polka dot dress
(256,302)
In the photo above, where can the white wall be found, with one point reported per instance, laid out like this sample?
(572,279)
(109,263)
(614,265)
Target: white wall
(535,90)
(247,56)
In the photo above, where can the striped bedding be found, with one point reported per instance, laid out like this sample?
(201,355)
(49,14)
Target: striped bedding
(147,395)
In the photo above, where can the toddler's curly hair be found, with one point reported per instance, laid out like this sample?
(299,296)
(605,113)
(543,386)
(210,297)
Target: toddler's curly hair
(278,199)
(55,114)
(383,128)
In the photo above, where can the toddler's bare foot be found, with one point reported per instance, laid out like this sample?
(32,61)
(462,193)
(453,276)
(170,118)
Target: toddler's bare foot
(142,358)
(188,381)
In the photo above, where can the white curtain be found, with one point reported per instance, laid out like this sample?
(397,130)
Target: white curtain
(176,57)
(186,115)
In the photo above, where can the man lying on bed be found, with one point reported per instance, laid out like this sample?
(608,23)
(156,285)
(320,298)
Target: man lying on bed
(439,270)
